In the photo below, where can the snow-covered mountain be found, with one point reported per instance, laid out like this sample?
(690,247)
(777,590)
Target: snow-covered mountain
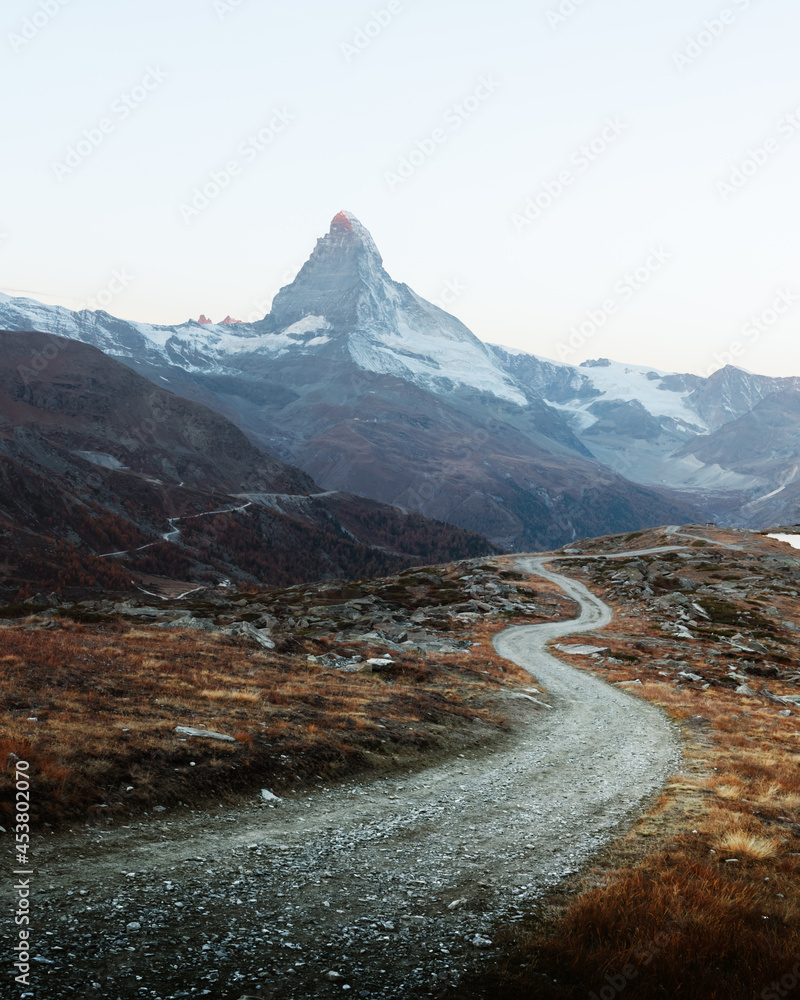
(342,289)
(369,387)
(390,330)
(644,422)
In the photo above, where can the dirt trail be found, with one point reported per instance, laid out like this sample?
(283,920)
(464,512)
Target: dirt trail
(389,887)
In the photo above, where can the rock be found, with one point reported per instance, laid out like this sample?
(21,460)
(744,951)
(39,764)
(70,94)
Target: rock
(479,941)
(207,733)
(248,631)
(456,904)
(132,611)
(200,624)
(449,646)
(585,650)
(332,975)
(268,796)
(672,601)
(133,927)
(176,614)
(636,683)
(51,600)
(334,662)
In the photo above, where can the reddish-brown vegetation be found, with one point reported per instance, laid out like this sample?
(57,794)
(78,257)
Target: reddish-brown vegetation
(702,898)
(93,709)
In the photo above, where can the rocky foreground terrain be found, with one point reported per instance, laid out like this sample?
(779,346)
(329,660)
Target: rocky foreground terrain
(451,856)
(720,610)
(315,679)
(388,887)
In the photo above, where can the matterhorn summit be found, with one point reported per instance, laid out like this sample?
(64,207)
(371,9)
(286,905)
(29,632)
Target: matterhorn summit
(372,389)
(344,289)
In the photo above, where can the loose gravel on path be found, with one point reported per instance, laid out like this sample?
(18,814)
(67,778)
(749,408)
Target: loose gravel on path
(376,889)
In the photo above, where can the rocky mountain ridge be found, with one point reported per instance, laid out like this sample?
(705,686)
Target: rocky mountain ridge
(369,388)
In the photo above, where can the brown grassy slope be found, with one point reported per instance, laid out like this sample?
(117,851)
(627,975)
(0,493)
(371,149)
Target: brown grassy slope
(702,898)
(107,699)
(91,699)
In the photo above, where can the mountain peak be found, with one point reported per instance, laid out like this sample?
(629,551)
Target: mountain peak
(341,222)
(344,267)
(346,230)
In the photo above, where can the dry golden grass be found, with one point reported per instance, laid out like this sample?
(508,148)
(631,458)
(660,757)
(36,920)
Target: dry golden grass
(234,694)
(743,844)
(107,699)
(672,905)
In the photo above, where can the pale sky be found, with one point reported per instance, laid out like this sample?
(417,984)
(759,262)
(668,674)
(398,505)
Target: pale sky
(155,98)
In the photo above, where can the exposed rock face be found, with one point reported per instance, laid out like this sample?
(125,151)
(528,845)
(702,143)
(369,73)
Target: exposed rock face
(370,388)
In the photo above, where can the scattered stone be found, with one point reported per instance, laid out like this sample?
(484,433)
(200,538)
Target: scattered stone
(248,631)
(379,663)
(207,733)
(198,624)
(578,650)
(479,941)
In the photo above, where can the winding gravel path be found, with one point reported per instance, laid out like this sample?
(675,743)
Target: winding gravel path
(389,887)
